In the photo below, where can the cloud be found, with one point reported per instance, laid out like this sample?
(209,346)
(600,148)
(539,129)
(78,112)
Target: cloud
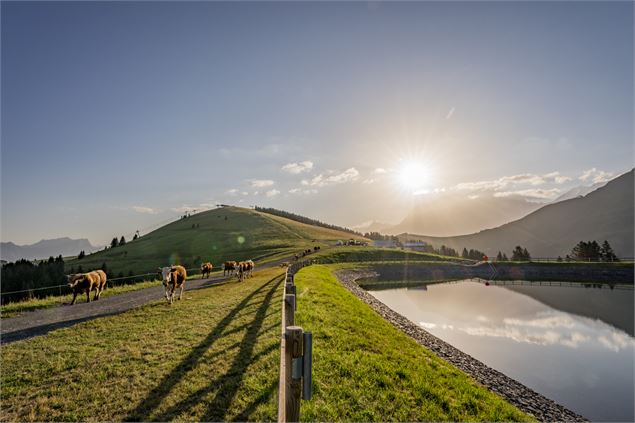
(296,168)
(303,191)
(616,341)
(182,209)
(233,192)
(380,171)
(349,175)
(450,113)
(272,193)
(368,181)
(507,181)
(542,194)
(261,183)
(594,175)
(145,210)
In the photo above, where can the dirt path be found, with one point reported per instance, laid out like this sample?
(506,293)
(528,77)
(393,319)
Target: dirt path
(40,322)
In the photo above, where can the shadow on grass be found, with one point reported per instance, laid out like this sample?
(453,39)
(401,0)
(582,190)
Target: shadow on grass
(228,384)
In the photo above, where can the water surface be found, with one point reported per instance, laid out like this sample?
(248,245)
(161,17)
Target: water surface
(574,344)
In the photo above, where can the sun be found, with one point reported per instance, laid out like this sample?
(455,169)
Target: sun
(414,175)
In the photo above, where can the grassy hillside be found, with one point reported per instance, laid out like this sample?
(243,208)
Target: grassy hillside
(214,356)
(219,361)
(367,370)
(229,233)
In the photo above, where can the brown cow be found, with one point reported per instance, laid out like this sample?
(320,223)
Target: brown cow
(86,282)
(245,269)
(206,269)
(229,267)
(175,278)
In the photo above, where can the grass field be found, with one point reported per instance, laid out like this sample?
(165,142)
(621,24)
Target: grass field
(366,370)
(372,254)
(229,233)
(213,356)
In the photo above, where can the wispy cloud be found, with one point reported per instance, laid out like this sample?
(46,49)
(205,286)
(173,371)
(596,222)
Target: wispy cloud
(506,181)
(233,192)
(380,171)
(349,175)
(272,193)
(261,183)
(299,167)
(541,194)
(303,191)
(450,113)
(145,210)
(594,175)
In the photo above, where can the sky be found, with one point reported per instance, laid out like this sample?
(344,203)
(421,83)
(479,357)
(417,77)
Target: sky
(118,116)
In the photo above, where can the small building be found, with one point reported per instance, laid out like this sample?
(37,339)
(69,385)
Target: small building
(385,243)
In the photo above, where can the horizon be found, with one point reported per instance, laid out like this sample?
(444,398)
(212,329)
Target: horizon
(343,112)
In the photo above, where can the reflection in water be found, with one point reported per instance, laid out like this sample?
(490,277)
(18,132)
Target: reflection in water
(580,361)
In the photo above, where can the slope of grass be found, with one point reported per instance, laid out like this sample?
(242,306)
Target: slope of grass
(366,370)
(229,233)
(213,356)
(347,254)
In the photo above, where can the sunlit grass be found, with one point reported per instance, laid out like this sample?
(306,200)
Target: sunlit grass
(213,356)
(367,370)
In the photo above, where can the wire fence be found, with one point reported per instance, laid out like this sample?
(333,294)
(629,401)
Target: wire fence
(59,287)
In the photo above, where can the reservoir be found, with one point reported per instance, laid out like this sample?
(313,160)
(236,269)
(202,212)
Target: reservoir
(571,342)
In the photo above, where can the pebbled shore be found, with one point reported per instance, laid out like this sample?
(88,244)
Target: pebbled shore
(526,399)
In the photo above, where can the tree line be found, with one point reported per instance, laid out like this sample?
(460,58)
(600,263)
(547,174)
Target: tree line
(26,275)
(304,219)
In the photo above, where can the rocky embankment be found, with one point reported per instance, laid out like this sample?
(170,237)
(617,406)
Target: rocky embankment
(515,392)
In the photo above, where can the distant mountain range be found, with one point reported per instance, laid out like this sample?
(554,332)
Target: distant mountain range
(45,248)
(457,214)
(606,213)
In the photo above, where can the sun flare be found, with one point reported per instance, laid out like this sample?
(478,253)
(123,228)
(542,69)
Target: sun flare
(414,175)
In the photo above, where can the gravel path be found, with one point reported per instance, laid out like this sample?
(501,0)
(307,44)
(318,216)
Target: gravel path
(524,398)
(40,322)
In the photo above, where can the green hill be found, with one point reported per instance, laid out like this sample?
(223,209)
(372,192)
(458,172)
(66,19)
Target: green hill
(228,233)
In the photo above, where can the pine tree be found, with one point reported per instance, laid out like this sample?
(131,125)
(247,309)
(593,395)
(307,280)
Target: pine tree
(517,254)
(526,255)
(81,255)
(114,242)
(122,241)
(464,254)
(505,257)
(499,256)
(606,252)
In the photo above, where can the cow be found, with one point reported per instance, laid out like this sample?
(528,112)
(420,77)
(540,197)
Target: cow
(86,282)
(206,269)
(173,277)
(245,269)
(229,267)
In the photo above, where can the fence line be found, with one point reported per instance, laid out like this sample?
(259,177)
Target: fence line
(108,280)
(296,354)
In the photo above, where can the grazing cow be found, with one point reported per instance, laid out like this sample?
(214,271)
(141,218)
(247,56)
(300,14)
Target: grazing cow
(229,267)
(245,269)
(173,277)
(206,269)
(86,282)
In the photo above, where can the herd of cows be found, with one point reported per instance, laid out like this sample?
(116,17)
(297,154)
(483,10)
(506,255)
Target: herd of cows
(173,277)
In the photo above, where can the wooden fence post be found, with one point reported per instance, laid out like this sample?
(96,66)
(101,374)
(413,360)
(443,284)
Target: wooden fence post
(289,310)
(293,350)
